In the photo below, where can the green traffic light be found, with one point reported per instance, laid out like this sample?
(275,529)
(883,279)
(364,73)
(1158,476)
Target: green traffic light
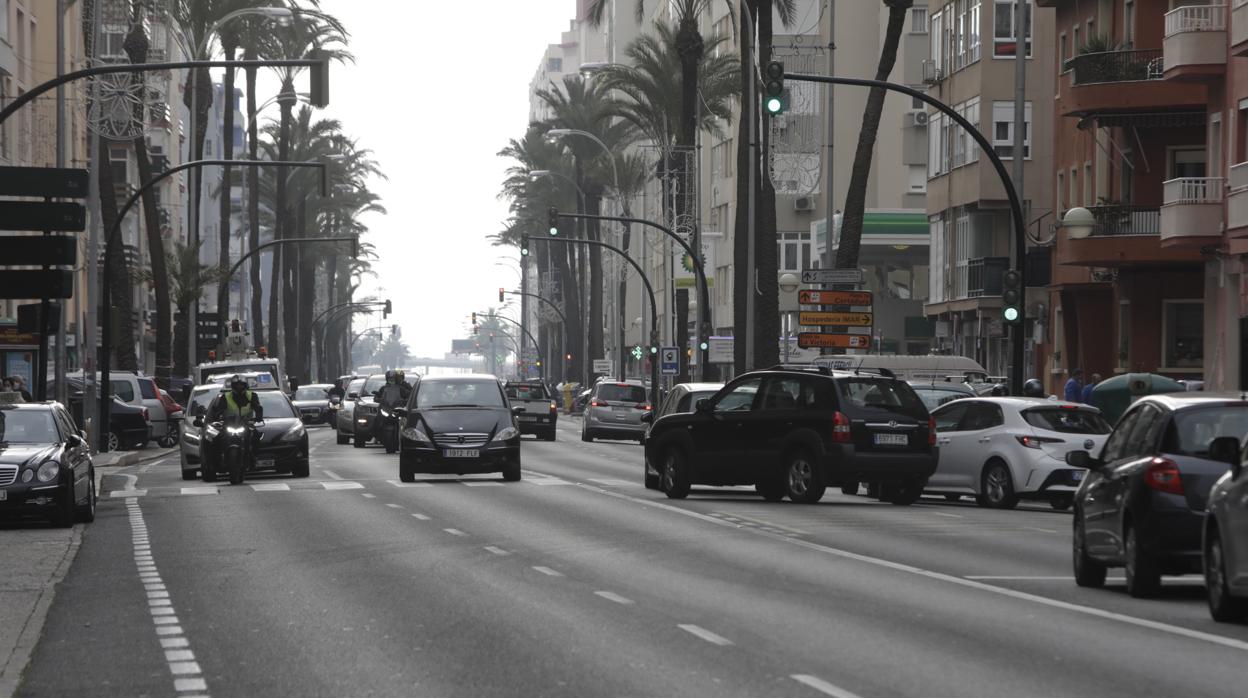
(654,350)
(1010,313)
(704,346)
(774,105)
(554,231)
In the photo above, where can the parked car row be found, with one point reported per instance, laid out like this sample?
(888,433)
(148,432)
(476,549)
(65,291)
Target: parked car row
(46,471)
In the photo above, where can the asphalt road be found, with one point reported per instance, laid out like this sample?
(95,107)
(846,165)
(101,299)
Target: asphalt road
(578,581)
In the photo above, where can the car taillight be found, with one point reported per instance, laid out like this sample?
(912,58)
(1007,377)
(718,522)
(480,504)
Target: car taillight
(840,429)
(553,406)
(1036,441)
(931,431)
(146,417)
(642,406)
(1163,475)
(598,403)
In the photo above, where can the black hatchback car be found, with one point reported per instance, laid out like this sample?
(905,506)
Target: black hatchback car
(793,431)
(1142,505)
(458,425)
(45,465)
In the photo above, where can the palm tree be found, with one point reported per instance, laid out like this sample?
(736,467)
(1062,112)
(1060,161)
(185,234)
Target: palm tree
(393,353)
(189,279)
(856,195)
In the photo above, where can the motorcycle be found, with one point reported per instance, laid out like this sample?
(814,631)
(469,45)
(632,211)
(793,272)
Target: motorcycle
(234,442)
(331,415)
(388,429)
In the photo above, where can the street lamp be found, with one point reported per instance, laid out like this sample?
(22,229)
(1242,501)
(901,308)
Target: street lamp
(1078,223)
(589,68)
(788,283)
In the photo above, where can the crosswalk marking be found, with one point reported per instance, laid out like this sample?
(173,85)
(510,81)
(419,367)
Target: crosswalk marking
(397,483)
(342,485)
(487,483)
(199,490)
(271,487)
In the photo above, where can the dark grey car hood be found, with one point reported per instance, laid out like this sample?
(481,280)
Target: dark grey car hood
(462,419)
(21,454)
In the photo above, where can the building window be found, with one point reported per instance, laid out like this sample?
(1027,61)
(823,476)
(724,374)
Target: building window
(1186,162)
(1128,23)
(117,160)
(1074,187)
(1003,129)
(965,25)
(1063,54)
(794,251)
(1061,192)
(1089,195)
(554,64)
(935,165)
(1183,334)
(936,276)
(965,150)
(1003,40)
(938,54)
(918,20)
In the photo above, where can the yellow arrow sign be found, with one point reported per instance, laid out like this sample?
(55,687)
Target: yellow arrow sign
(811,318)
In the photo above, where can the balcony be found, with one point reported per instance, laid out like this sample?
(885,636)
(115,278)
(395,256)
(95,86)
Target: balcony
(1123,236)
(1125,81)
(984,276)
(1194,47)
(1237,199)
(1192,213)
(1239,28)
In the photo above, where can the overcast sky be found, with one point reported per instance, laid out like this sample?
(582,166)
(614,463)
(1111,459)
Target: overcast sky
(436,90)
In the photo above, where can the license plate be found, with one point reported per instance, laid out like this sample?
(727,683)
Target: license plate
(1077,475)
(462,453)
(619,408)
(891,440)
(264,463)
(4,494)
(528,418)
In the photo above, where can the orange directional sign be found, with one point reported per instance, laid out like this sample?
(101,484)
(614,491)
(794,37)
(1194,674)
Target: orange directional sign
(811,318)
(812,340)
(834,297)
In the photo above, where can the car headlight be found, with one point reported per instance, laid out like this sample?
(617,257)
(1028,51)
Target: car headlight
(48,471)
(416,434)
(294,433)
(28,475)
(507,434)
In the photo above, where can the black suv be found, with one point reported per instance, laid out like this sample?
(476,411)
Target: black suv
(795,430)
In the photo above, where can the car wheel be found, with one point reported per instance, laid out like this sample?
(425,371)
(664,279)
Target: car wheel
(208,471)
(1088,572)
(586,435)
(407,472)
(675,474)
(86,512)
(511,471)
(166,441)
(850,488)
(1224,607)
(188,473)
(803,480)
(343,439)
(302,468)
(906,493)
(1061,503)
(996,487)
(114,441)
(1143,577)
(360,441)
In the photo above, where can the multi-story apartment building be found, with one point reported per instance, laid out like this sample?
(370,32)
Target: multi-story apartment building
(972,67)
(1152,125)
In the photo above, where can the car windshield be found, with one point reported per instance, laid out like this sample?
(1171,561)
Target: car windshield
(434,394)
(373,384)
(1067,420)
(621,392)
(201,400)
(882,395)
(311,393)
(526,391)
(1193,430)
(27,427)
(274,404)
(935,397)
(355,386)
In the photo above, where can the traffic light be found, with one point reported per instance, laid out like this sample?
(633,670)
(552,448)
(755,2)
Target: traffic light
(773,89)
(385,312)
(394,330)
(704,345)
(568,356)
(654,349)
(1012,296)
(500,295)
(552,219)
(474,319)
(318,91)
(524,247)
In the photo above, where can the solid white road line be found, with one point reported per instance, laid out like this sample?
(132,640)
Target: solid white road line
(948,515)
(486,483)
(398,483)
(822,686)
(1042,530)
(1210,638)
(331,474)
(705,634)
(612,596)
(610,482)
(547,571)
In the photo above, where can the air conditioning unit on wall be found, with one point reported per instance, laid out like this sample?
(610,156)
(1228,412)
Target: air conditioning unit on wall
(932,73)
(804,203)
(916,118)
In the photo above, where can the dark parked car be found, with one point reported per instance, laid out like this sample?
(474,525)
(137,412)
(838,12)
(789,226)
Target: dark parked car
(1226,541)
(1142,505)
(129,426)
(460,425)
(45,465)
(796,430)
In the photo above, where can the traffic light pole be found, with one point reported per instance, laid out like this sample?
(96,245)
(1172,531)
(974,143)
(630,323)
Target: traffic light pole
(353,307)
(1017,352)
(106,276)
(562,317)
(541,373)
(654,309)
(704,325)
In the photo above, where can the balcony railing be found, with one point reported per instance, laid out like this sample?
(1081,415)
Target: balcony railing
(1239,173)
(1193,190)
(1116,66)
(1126,220)
(1196,18)
(984,276)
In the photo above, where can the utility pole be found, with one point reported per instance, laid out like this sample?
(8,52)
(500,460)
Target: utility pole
(749,111)
(90,362)
(1017,349)
(829,204)
(58,371)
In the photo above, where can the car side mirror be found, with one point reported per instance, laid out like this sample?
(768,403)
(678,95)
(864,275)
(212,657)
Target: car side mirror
(400,412)
(335,400)
(353,396)
(1081,459)
(647,418)
(702,405)
(74,440)
(198,421)
(1225,449)
(518,409)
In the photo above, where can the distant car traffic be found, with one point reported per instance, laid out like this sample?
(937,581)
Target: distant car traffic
(1003,449)
(128,425)
(1142,504)
(792,431)
(363,413)
(1225,548)
(680,399)
(537,413)
(45,465)
(615,410)
(312,402)
(934,395)
(458,425)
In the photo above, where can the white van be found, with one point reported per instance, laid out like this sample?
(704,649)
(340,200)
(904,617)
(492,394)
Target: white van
(927,369)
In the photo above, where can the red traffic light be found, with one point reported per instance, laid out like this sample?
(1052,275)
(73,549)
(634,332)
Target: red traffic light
(500,295)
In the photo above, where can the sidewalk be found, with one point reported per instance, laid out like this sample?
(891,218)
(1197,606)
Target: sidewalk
(36,559)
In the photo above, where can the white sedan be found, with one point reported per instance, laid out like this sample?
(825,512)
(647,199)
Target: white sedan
(1004,449)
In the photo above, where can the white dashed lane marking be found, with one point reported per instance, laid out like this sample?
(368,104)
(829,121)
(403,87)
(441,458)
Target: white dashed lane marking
(612,596)
(420,517)
(454,531)
(547,571)
(705,634)
(822,686)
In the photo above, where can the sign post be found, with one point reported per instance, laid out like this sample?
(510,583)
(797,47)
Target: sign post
(846,318)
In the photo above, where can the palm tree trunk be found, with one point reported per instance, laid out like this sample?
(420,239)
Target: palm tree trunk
(181,339)
(226,208)
(122,287)
(306,277)
(253,205)
(741,224)
(595,316)
(282,259)
(766,320)
(856,195)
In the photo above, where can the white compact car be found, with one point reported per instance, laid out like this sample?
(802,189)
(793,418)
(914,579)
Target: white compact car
(1004,449)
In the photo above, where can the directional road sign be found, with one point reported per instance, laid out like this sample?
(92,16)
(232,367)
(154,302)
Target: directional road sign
(812,340)
(831,276)
(56,182)
(806,297)
(669,361)
(602,366)
(29,283)
(53,250)
(811,318)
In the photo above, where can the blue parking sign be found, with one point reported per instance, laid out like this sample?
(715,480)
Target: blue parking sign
(669,361)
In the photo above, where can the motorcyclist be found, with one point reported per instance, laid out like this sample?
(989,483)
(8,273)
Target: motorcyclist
(337,391)
(392,394)
(1033,388)
(238,402)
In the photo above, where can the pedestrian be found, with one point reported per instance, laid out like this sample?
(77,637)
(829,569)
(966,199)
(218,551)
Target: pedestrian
(1086,396)
(1074,386)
